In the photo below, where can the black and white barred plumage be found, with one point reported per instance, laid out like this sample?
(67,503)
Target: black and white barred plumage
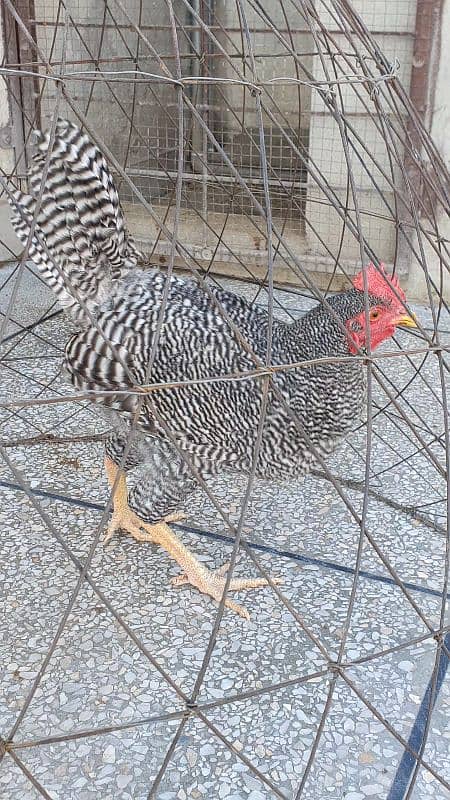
(80,242)
(83,250)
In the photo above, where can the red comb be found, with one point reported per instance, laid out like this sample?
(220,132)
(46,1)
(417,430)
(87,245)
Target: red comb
(379,283)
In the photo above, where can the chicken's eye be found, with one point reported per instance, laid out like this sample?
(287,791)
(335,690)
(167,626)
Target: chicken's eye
(374,314)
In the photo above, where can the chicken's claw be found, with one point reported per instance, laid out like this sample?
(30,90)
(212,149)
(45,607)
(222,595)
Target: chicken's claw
(213,583)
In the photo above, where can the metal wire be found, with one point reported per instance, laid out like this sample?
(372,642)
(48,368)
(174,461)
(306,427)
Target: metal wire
(226,169)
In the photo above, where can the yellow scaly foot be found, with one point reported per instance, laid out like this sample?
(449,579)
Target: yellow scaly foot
(195,573)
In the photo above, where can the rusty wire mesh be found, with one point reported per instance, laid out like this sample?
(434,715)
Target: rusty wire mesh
(276,143)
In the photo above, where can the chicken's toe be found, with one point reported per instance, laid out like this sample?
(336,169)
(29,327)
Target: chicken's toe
(213,583)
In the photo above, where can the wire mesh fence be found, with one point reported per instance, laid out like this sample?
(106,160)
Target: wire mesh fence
(269,149)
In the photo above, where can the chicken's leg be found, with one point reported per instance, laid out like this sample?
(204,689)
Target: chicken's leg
(195,573)
(123,517)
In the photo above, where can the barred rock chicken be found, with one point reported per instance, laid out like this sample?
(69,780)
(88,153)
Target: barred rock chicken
(83,251)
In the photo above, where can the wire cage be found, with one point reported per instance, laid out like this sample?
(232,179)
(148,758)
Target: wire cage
(309,78)
(271,148)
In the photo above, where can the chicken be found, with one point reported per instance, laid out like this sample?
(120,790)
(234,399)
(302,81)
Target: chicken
(199,418)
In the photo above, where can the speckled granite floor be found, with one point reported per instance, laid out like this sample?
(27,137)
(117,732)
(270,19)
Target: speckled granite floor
(104,715)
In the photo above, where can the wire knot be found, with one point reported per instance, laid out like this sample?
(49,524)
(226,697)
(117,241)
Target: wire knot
(255,89)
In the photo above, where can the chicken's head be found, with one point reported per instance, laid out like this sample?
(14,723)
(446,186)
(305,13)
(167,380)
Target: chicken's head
(386,309)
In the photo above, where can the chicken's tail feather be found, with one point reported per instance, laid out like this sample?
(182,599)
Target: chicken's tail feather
(80,243)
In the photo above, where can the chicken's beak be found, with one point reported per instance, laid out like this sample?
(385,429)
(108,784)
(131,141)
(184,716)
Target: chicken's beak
(407,321)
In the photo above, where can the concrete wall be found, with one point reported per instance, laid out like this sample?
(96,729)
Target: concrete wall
(440,131)
(6,153)
(394,27)
(440,124)
(8,241)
